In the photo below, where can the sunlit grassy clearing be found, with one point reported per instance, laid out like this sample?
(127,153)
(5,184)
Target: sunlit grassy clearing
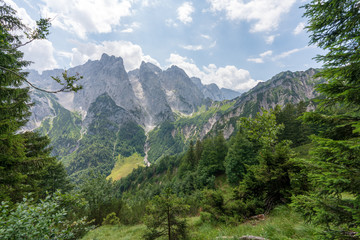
(282,224)
(125,165)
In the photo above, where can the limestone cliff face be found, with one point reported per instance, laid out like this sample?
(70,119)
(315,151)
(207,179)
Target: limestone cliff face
(150,94)
(107,75)
(283,88)
(182,94)
(213,92)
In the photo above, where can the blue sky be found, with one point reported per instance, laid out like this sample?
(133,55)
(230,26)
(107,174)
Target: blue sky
(233,43)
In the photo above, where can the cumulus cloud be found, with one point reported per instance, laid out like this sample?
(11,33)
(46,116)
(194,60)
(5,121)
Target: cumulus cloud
(265,15)
(83,16)
(22,14)
(41,53)
(228,77)
(132,54)
(299,28)
(184,12)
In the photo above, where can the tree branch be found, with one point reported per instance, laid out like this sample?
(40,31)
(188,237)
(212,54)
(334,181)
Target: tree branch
(64,89)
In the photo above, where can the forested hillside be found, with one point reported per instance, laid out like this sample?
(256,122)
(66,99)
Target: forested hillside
(147,154)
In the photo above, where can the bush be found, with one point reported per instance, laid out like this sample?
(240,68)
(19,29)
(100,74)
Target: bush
(43,220)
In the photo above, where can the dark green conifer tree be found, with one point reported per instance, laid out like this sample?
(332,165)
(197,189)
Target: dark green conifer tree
(334,169)
(241,154)
(15,100)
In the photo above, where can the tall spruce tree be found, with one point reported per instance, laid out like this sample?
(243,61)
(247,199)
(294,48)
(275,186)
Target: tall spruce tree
(15,100)
(335,163)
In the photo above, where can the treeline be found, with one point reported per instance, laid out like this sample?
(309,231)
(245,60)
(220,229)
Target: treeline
(262,166)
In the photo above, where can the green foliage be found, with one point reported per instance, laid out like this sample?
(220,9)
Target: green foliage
(46,219)
(213,207)
(130,139)
(241,154)
(14,104)
(281,224)
(334,163)
(24,157)
(111,219)
(333,170)
(101,196)
(63,130)
(163,217)
(212,159)
(163,143)
(295,129)
(105,140)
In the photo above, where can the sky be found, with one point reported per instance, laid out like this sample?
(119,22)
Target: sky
(233,43)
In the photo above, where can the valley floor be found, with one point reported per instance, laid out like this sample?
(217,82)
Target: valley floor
(280,225)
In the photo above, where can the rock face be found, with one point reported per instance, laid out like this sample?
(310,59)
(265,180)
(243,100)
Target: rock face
(283,88)
(148,93)
(109,115)
(107,75)
(182,94)
(213,92)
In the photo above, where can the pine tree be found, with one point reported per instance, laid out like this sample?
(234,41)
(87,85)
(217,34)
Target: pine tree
(163,217)
(241,153)
(334,166)
(15,100)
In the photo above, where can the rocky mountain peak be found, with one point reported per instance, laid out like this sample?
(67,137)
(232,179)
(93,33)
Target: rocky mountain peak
(150,67)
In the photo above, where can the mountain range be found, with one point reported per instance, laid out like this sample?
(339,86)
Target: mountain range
(148,111)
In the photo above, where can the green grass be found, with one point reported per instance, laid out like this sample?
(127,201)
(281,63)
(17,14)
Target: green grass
(125,165)
(281,224)
(116,233)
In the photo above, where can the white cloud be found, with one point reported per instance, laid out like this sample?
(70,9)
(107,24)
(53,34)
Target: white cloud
(193,47)
(86,16)
(212,45)
(131,27)
(299,28)
(132,54)
(170,23)
(270,39)
(261,57)
(184,12)
(288,53)
(227,77)
(22,14)
(41,53)
(205,36)
(265,54)
(127,30)
(255,60)
(265,15)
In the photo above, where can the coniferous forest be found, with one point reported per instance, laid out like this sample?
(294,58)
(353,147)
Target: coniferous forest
(289,172)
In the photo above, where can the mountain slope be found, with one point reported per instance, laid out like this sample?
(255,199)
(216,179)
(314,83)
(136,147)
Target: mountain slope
(147,111)
(286,87)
